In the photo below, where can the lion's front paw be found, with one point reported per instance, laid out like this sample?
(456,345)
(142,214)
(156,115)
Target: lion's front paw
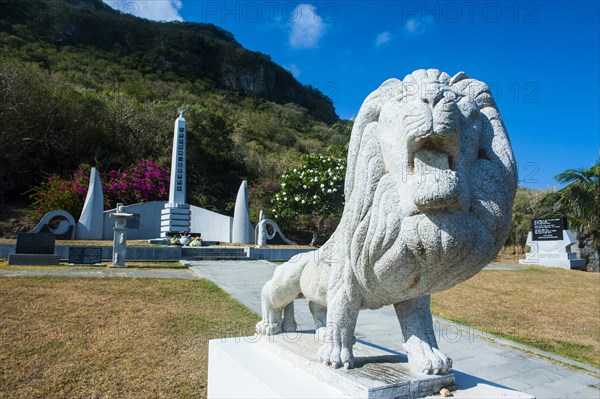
(422,358)
(266,328)
(336,356)
(337,350)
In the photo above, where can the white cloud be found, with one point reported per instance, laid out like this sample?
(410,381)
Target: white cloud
(307,27)
(382,38)
(157,10)
(415,27)
(294,70)
(411,26)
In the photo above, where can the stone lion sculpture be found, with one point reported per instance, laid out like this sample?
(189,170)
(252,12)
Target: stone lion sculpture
(429,189)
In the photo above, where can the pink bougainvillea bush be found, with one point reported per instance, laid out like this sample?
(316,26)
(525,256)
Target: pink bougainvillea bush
(144,181)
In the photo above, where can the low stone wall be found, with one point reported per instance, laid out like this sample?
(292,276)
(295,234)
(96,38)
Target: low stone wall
(6,249)
(174,253)
(145,253)
(274,254)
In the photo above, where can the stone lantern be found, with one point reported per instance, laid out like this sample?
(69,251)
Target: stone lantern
(120,236)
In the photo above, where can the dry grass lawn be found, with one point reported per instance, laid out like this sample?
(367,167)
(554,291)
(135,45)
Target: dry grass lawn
(95,243)
(65,266)
(111,338)
(552,309)
(509,258)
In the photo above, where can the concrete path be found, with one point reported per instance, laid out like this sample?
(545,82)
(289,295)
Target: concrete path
(135,273)
(501,266)
(476,360)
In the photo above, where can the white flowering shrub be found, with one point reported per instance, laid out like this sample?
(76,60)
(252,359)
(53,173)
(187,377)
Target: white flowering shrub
(315,190)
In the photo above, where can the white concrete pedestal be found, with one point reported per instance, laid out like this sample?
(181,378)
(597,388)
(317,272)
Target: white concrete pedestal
(554,253)
(286,366)
(239,368)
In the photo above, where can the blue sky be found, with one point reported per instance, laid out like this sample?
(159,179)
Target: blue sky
(541,58)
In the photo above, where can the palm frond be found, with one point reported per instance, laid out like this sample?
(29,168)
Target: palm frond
(579,200)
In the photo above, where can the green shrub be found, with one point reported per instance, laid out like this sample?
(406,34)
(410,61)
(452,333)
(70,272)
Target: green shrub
(312,195)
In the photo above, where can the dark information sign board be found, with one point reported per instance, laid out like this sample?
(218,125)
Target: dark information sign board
(550,229)
(85,255)
(35,243)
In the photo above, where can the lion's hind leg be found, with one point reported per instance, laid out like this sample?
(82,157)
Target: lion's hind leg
(319,314)
(277,298)
(289,321)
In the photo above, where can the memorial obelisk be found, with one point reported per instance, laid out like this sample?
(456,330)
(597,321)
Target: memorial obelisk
(176,216)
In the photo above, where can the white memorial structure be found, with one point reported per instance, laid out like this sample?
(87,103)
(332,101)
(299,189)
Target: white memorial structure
(89,226)
(176,215)
(152,219)
(242,231)
(550,241)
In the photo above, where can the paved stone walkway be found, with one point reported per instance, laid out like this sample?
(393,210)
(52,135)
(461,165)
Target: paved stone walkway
(476,360)
(135,273)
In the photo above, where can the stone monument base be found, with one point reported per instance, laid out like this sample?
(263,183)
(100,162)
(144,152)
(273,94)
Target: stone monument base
(566,260)
(555,252)
(286,366)
(174,219)
(160,241)
(33,259)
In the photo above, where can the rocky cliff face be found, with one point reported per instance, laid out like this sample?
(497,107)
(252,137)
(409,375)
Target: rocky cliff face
(589,252)
(187,50)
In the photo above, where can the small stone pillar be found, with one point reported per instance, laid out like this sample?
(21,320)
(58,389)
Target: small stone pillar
(261,236)
(120,236)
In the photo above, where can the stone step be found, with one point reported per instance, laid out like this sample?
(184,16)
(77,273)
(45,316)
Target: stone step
(200,252)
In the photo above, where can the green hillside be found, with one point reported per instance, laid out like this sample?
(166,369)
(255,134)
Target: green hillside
(83,83)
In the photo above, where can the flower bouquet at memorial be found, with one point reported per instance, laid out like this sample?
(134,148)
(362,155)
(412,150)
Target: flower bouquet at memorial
(196,242)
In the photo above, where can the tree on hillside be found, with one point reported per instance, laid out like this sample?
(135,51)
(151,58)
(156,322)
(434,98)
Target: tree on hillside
(344,127)
(525,208)
(312,194)
(580,201)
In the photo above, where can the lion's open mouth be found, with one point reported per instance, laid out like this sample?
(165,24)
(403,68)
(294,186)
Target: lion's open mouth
(433,173)
(427,161)
(431,155)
